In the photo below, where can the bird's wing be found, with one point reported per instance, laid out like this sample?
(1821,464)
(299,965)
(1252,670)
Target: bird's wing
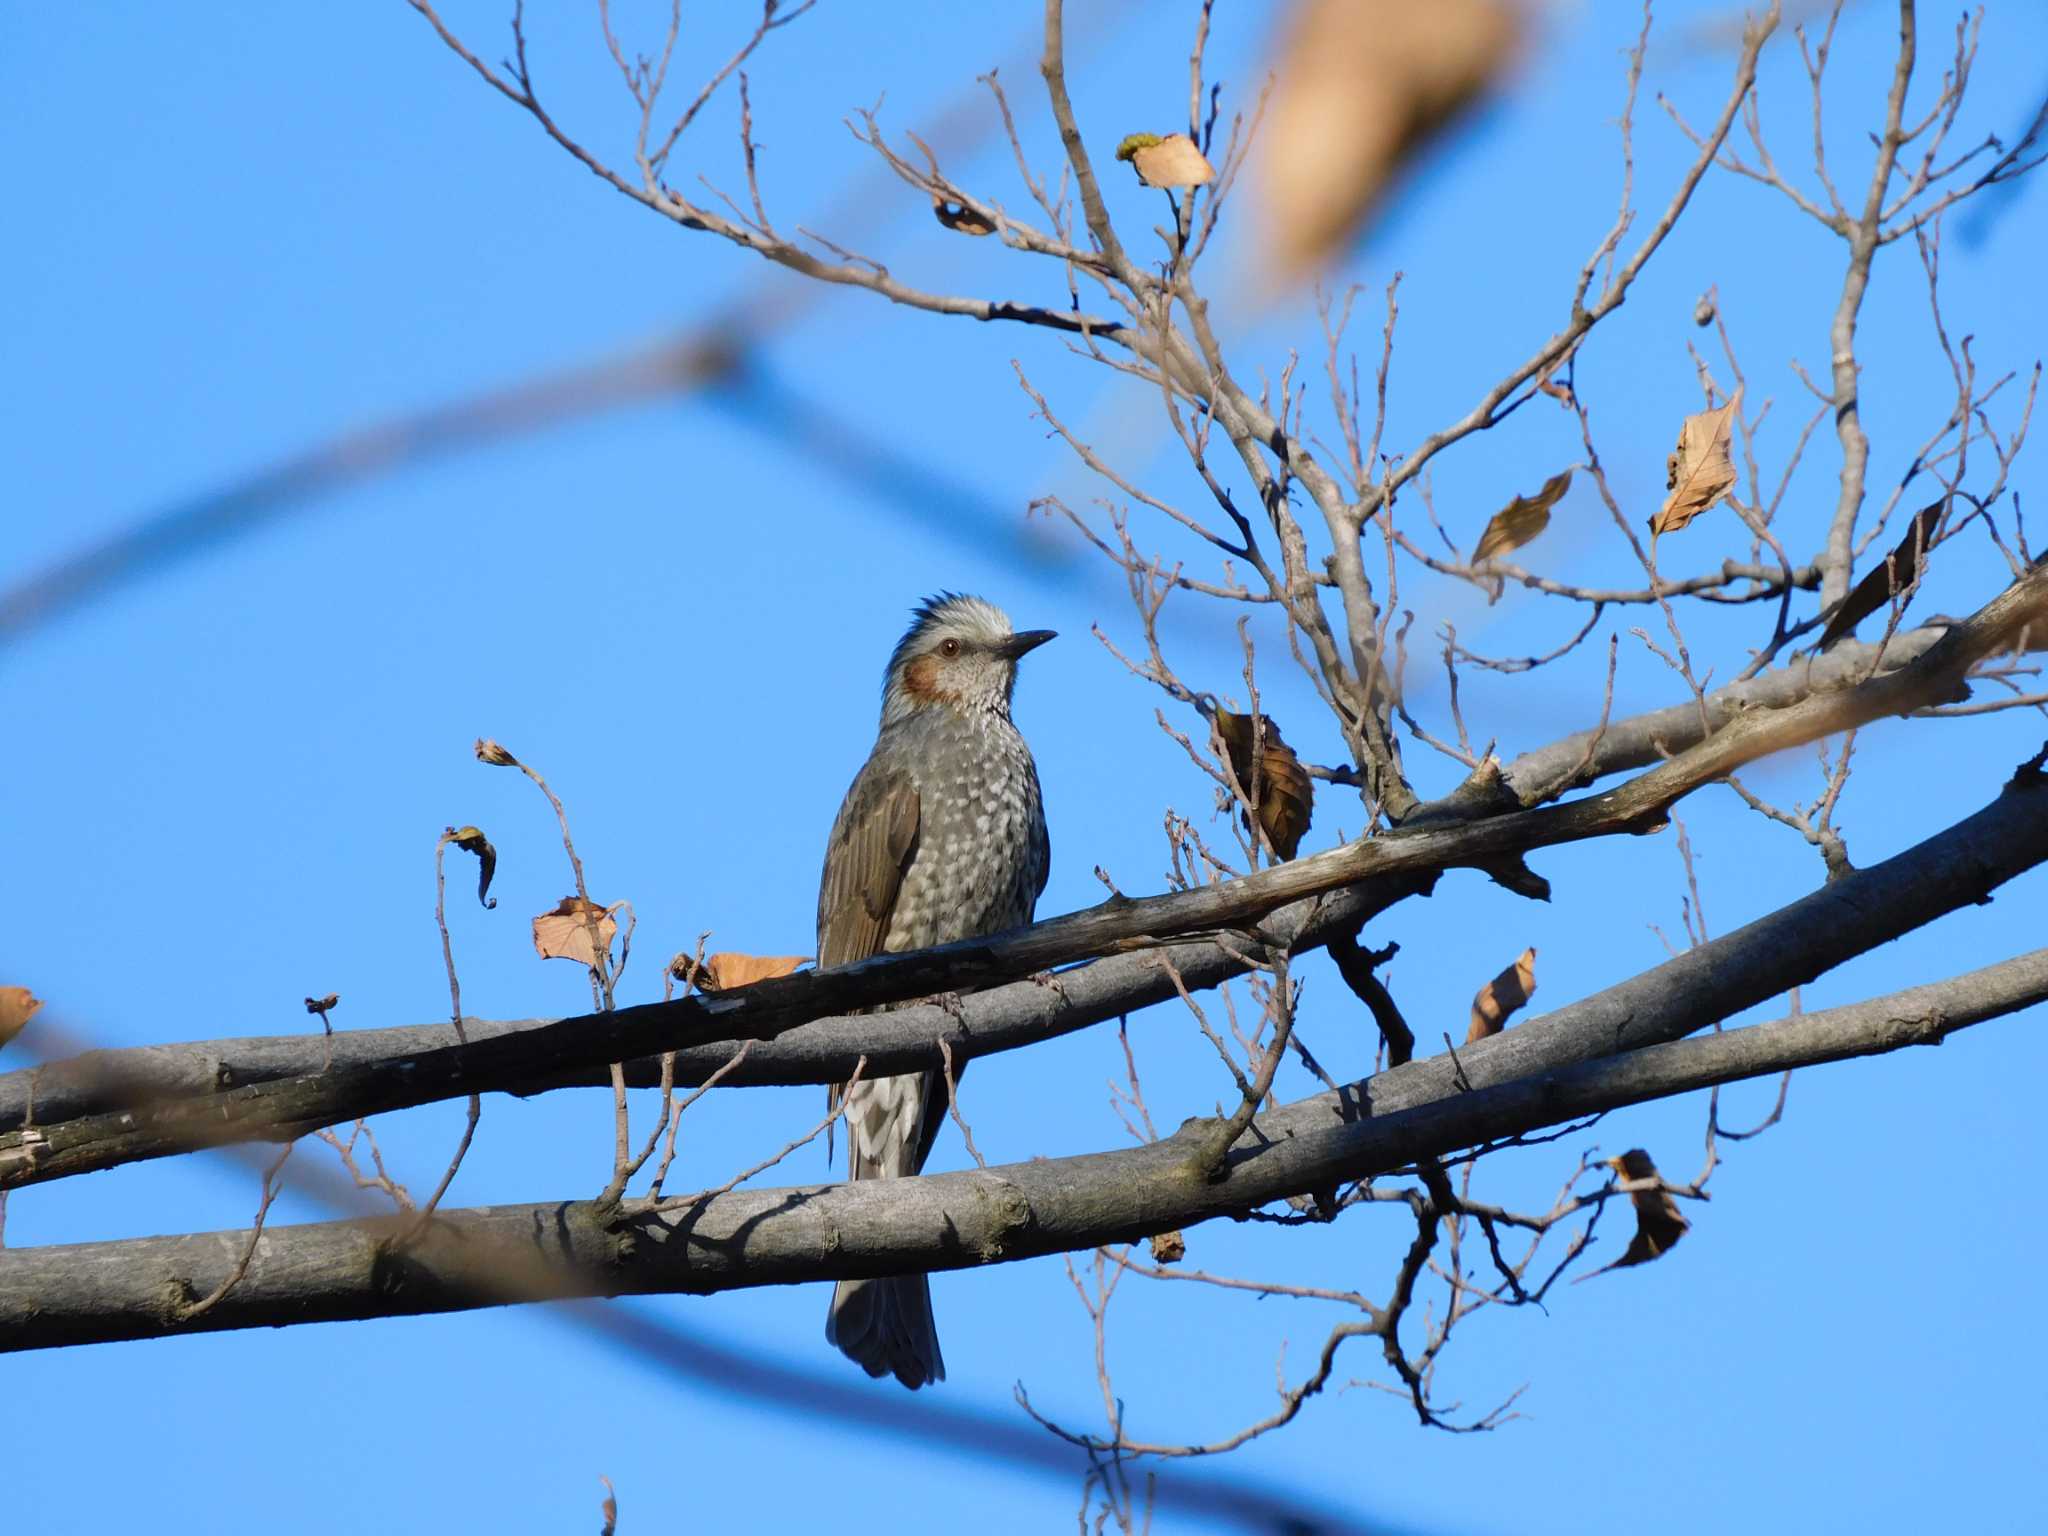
(1044,852)
(872,844)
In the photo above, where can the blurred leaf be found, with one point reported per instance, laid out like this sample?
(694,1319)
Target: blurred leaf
(472,840)
(1172,161)
(17,1007)
(1521,519)
(1658,1222)
(728,969)
(1501,997)
(1286,796)
(1169,1247)
(1886,577)
(1699,471)
(488,751)
(1361,86)
(564,933)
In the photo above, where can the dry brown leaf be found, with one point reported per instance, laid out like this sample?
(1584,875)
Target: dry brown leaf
(1169,1247)
(488,751)
(1286,795)
(1699,472)
(1658,1222)
(1361,86)
(960,217)
(564,933)
(1521,519)
(472,840)
(17,1007)
(1886,577)
(1172,161)
(1501,997)
(728,969)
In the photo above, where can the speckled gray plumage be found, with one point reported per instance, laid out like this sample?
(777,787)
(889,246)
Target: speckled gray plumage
(982,851)
(941,837)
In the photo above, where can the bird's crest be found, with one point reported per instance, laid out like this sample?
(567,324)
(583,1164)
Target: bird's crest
(974,621)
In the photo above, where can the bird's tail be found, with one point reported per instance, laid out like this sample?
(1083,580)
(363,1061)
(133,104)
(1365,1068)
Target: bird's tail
(886,1326)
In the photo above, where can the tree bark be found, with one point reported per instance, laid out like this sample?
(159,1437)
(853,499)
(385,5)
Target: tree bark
(1382,869)
(335,1271)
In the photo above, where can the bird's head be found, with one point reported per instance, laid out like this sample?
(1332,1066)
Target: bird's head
(959,653)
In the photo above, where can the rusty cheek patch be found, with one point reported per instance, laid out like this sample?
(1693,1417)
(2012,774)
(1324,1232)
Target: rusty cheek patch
(921,677)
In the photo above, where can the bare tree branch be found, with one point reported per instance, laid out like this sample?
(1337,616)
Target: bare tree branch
(1426,846)
(97,1292)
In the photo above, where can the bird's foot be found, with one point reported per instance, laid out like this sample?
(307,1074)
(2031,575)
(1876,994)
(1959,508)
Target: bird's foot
(1050,980)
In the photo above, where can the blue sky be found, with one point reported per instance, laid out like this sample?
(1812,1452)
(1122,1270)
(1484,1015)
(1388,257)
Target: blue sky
(232,239)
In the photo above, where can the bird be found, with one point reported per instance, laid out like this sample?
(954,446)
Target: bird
(941,837)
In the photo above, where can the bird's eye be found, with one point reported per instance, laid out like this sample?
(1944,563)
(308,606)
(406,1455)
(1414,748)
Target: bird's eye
(949,647)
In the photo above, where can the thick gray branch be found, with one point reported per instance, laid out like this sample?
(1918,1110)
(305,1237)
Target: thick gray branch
(96,1292)
(1386,867)
(1003,1018)
(1587,756)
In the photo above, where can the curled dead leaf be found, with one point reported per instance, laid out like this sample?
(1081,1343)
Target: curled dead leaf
(1360,87)
(1171,161)
(1658,1221)
(1893,574)
(17,1007)
(960,217)
(472,840)
(566,932)
(737,970)
(1501,997)
(955,216)
(1169,1247)
(1699,471)
(488,751)
(729,968)
(1285,793)
(1521,519)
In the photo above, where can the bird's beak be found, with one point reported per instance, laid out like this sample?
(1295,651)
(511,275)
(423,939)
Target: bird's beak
(1025,640)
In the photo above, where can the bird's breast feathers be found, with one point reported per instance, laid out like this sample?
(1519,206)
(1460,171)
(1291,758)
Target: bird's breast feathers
(979,864)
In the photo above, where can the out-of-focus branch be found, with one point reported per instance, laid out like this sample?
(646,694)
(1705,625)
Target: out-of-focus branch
(668,368)
(1584,316)
(671,368)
